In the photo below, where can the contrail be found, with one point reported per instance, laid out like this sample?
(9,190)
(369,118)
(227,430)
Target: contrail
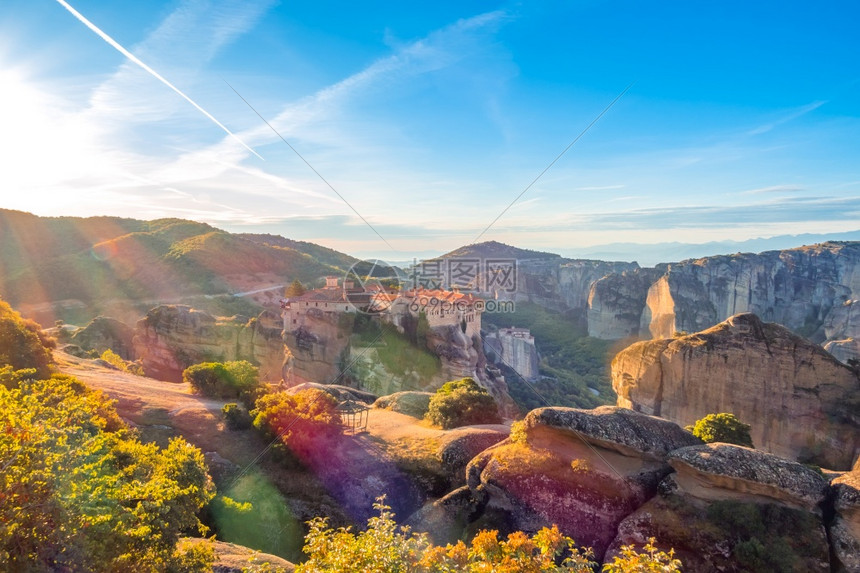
(155,74)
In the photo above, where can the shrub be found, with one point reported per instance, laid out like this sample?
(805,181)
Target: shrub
(651,560)
(303,421)
(236,379)
(462,403)
(117,362)
(385,547)
(22,344)
(722,428)
(236,417)
(81,493)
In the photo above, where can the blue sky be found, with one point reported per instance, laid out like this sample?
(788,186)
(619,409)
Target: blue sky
(743,121)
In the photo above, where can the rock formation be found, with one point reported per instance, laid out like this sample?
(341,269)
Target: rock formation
(800,401)
(616,303)
(103,333)
(582,470)
(610,477)
(562,284)
(808,289)
(172,337)
(514,348)
(845,529)
(731,509)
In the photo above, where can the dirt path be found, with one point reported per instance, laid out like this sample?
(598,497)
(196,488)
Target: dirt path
(164,409)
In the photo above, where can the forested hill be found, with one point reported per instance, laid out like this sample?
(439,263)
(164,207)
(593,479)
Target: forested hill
(98,259)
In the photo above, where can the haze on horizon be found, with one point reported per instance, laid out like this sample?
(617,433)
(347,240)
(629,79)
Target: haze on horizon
(742,121)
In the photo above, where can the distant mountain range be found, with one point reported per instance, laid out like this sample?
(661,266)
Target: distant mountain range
(648,255)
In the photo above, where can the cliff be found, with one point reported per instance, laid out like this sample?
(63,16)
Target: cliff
(610,477)
(800,401)
(172,337)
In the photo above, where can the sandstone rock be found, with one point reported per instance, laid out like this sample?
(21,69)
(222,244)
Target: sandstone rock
(582,470)
(172,337)
(446,519)
(232,558)
(800,401)
(845,529)
(844,350)
(616,303)
(729,508)
(842,330)
(794,287)
(562,283)
(727,536)
(413,404)
(722,471)
(341,393)
(459,446)
(103,333)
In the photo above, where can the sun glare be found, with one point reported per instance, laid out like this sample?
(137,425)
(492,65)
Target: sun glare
(42,143)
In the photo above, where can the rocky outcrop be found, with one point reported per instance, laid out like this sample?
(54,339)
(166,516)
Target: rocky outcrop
(842,331)
(562,284)
(459,446)
(233,558)
(105,333)
(845,529)
(338,392)
(796,288)
(582,470)
(172,337)
(800,401)
(713,470)
(616,303)
(413,404)
(729,508)
(514,348)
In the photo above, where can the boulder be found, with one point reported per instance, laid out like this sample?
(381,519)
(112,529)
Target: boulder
(340,393)
(105,333)
(411,403)
(232,558)
(801,402)
(447,519)
(459,446)
(845,529)
(722,471)
(582,470)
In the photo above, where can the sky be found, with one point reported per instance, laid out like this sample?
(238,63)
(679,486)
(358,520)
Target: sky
(395,130)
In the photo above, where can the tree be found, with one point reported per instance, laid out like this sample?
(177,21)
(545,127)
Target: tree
(722,427)
(22,344)
(79,492)
(462,403)
(304,422)
(295,289)
(232,379)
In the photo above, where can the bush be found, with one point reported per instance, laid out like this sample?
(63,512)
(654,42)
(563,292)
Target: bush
(304,421)
(462,403)
(384,547)
(236,417)
(236,379)
(117,362)
(652,559)
(22,344)
(722,428)
(79,491)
